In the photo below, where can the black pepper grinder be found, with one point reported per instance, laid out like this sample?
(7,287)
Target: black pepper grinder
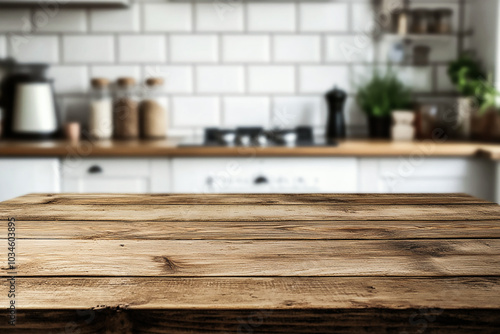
(335,127)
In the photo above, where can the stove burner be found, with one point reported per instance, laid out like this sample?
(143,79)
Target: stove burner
(257,136)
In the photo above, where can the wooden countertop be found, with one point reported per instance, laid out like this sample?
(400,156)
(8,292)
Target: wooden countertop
(253,263)
(170,148)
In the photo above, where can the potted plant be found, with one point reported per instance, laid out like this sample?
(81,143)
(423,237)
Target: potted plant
(378,98)
(477,114)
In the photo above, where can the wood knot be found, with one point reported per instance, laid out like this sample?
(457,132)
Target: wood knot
(168,265)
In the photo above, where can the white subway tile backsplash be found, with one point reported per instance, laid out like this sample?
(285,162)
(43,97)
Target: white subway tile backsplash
(67,20)
(142,48)
(218,16)
(167,17)
(177,79)
(88,49)
(245,48)
(113,72)
(35,49)
(194,48)
(271,16)
(246,111)
(292,111)
(220,79)
(363,17)
(351,48)
(324,16)
(320,79)
(271,79)
(115,20)
(15,20)
(418,78)
(297,48)
(3,47)
(195,111)
(69,79)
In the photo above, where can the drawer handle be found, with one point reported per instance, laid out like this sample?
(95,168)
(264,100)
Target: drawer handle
(261,180)
(95,169)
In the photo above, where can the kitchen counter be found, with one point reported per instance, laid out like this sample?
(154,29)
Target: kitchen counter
(169,147)
(243,263)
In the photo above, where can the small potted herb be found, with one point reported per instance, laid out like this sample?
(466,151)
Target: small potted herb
(378,98)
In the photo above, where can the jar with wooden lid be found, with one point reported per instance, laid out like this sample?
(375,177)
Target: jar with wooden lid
(101,109)
(421,21)
(153,115)
(443,18)
(126,110)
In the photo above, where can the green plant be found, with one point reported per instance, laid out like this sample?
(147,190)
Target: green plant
(467,75)
(383,94)
(464,72)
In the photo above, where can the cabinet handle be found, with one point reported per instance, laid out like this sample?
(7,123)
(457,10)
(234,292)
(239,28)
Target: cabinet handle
(95,169)
(261,180)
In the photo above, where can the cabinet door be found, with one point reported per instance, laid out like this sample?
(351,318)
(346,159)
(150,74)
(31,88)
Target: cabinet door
(19,176)
(115,175)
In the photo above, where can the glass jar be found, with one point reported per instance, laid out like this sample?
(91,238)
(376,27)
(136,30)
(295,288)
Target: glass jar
(125,110)
(101,109)
(421,21)
(153,116)
(443,18)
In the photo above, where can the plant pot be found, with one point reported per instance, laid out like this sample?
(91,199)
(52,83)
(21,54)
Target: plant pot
(379,127)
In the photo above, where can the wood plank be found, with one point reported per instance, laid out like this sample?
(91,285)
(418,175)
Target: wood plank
(250,213)
(263,230)
(240,293)
(257,258)
(125,321)
(254,199)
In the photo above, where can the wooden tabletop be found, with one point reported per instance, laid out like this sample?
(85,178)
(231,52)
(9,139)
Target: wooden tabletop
(252,264)
(169,147)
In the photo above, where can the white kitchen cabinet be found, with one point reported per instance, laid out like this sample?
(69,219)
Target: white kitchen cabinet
(427,175)
(115,175)
(21,176)
(264,175)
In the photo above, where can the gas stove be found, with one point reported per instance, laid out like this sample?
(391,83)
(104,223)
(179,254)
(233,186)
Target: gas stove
(302,136)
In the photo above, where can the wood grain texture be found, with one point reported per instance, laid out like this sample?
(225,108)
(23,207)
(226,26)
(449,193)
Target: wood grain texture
(169,147)
(254,264)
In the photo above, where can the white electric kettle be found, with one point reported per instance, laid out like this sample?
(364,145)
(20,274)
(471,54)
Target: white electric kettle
(34,109)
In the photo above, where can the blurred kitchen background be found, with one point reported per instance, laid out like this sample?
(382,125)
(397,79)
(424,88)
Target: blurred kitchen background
(299,80)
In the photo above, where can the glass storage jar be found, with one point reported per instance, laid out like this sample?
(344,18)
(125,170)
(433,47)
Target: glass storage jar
(153,115)
(125,110)
(101,109)
(421,21)
(443,19)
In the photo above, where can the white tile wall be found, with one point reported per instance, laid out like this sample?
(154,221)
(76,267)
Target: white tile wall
(69,79)
(297,48)
(320,79)
(224,63)
(142,48)
(113,72)
(219,16)
(18,20)
(220,79)
(111,20)
(236,48)
(67,20)
(246,111)
(292,111)
(35,48)
(196,111)
(177,79)
(88,49)
(194,48)
(271,79)
(271,16)
(324,16)
(178,14)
